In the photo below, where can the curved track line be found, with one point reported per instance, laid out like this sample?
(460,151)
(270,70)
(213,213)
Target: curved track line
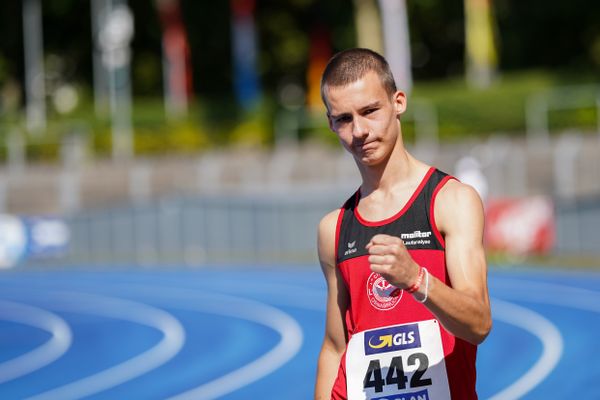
(237,307)
(534,291)
(510,313)
(543,329)
(110,307)
(42,355)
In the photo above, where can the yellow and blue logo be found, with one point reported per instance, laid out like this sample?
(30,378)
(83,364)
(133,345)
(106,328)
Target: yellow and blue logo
(393,338)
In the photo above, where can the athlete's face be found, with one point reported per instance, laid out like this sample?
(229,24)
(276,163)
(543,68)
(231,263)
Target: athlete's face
(365,118)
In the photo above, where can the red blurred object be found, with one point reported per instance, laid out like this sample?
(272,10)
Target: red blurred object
(520,226)
(176,49)
(243,8)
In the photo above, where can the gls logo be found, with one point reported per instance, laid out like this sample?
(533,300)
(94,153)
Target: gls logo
(391,339)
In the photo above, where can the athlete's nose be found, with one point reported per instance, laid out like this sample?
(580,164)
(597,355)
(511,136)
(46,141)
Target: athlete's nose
(359,129)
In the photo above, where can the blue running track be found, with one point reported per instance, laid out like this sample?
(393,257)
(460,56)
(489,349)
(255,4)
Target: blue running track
(255,333)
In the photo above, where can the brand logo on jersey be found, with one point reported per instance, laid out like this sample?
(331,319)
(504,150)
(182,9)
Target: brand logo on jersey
(382,295)
(416,238)
(392,339)
(415,235)
(351,248)
(420,395)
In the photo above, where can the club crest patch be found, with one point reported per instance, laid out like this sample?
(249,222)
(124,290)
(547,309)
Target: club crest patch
(382,295)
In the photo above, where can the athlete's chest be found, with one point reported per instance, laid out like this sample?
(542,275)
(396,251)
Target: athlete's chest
(380,207)
(414,228)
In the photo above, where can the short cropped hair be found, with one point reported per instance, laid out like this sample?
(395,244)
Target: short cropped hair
(350,65)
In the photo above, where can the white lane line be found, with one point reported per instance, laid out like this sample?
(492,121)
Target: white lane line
(111,307)
(237,307)
(545,331)
(527,294)
(524,318)
(545,293)
(42,355)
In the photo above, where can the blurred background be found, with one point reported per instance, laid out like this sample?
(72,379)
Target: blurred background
(185,132)
(164,165)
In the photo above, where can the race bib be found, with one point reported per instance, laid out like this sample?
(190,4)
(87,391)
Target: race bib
(400,362)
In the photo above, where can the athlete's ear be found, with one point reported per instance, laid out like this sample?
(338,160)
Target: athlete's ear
(399,101)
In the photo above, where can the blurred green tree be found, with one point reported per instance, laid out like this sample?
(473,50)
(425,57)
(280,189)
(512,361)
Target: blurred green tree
(533,34)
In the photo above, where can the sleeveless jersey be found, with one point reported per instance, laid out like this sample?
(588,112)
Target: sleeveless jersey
(397,349)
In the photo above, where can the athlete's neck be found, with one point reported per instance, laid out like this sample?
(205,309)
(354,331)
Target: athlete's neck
(400,167)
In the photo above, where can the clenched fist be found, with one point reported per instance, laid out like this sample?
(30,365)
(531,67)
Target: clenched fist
(389,257)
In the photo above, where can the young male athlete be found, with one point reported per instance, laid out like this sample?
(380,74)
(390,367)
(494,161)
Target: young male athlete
(406,274)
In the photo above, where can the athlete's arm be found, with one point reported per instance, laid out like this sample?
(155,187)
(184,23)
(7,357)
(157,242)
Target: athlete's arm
(464,308)
(334,342)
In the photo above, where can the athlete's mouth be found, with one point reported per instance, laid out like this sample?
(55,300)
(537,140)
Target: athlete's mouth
(370,145)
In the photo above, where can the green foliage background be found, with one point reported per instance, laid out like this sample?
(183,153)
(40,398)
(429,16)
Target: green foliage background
(542,44)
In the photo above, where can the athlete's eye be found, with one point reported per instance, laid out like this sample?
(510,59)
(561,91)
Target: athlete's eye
(343,119)
(370,111)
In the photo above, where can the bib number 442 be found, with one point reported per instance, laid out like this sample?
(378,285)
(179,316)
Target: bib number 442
(395,373)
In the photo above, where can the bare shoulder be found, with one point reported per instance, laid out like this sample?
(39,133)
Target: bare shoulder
(329,221)
(457,192)
(456,204)
(326,238)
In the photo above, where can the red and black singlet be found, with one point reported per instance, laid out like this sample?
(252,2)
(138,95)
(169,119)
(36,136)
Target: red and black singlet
(396,346)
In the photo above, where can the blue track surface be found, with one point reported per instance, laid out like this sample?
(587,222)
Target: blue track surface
(252,333)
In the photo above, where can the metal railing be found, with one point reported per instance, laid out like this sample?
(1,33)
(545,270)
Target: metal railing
(261,230)
(195,231)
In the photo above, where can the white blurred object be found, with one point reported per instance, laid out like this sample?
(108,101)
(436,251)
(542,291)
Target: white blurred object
(566,158)
(33,43)
(397,41)
(50,233)
(114,40)
(46,237)
(468,170)
(13,240)
(115,36)
(65,98)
